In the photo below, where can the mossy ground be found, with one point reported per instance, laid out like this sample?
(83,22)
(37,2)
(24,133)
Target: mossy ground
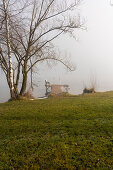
(58,133)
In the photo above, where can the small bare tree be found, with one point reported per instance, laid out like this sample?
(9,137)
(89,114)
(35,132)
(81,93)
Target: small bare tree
(93,82)
(27,30)
(92,85)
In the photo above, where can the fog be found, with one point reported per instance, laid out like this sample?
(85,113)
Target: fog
(91,52)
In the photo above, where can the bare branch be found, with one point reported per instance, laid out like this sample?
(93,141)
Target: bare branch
(52,58)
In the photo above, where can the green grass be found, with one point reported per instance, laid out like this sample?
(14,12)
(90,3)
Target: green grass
(58,133)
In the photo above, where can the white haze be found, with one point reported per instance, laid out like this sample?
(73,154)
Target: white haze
(92,53)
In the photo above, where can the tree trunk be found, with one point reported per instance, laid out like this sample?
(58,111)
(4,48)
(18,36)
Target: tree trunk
(10,72)
(14,93)
(24,82)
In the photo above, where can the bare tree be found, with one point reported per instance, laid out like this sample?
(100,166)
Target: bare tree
(92,85)
(27,30)
(9,71)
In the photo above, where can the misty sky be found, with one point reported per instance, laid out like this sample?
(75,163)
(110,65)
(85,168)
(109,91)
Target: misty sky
(92,53)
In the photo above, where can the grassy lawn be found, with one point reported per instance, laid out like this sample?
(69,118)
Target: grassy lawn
(58,133)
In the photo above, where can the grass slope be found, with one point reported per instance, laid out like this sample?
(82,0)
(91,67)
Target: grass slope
(58,133)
